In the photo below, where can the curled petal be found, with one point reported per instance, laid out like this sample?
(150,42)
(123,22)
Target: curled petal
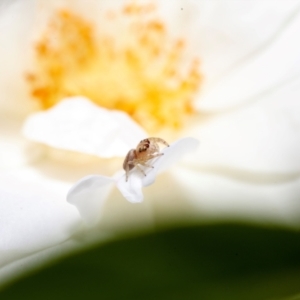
(88,195)
(77,124)
(132,189)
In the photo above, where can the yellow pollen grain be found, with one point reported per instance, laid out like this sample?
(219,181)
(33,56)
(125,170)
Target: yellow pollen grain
(138,70)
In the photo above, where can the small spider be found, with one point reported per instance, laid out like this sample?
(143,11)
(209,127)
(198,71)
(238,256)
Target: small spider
(146,150)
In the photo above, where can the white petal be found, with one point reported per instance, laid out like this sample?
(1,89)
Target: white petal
(15,150)
(89,195)
(132,189)
(276,61)
(222,197)
(38,259)
(79,125)
(15,56)
(172,154)
(32,219)
(262,137)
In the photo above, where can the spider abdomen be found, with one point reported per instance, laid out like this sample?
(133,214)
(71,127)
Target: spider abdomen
(129,160)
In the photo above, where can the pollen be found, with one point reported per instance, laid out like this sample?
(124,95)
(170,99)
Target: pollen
(131,63)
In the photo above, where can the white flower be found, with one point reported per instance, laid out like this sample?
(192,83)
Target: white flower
(90,192)
(247,120)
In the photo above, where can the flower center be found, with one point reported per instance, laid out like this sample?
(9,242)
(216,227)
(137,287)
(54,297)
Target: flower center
(131,64)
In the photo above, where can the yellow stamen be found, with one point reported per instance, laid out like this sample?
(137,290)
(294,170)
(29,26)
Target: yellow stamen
(139,70)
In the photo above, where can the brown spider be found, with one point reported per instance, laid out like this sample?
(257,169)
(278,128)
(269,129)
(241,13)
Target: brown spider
(145,151)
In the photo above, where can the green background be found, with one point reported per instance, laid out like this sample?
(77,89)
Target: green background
(220,261)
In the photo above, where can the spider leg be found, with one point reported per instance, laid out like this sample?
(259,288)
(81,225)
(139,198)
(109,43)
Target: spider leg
(140,169)
(145,165)
(154,155)
(158,140)
(127,171)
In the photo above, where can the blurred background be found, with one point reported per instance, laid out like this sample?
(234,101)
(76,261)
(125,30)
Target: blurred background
(220,223)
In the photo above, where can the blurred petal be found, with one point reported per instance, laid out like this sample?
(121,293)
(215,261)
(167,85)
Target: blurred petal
(15,150)
(32,219)
(79,125)
(132,189)
(37,259)
(89,195)
(15,38)
(222,197)
(262,137)
(246,48)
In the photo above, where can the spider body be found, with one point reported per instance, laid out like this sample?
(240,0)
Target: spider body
(146,150)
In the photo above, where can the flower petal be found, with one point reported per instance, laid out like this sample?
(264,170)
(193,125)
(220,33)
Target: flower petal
(221,197)
(262,137)
(172,154)
(15,150)
(246,48)
(79,125)
(88,195)
(15,56)
(32,219)
(132,189)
